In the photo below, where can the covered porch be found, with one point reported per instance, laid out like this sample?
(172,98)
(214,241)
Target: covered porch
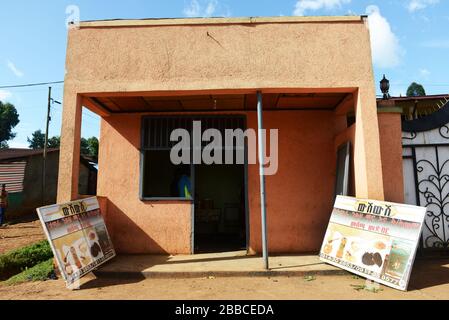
(299,196)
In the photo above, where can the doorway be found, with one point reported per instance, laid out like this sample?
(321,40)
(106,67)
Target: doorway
(220,208)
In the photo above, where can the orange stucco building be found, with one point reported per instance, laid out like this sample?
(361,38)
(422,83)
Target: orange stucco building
(316,79)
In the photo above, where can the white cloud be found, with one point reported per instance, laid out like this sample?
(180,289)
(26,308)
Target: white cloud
(192,10)
(386,50)
(5,95)
(424,73)
(14,69)
(195,9)
(18,145)
(415,5)
(210,9)
(302,6)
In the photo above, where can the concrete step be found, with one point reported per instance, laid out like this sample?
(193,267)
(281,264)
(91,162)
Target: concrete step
(228,264)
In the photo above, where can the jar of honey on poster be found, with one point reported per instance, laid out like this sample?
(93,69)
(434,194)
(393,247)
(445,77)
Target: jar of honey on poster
(341,249)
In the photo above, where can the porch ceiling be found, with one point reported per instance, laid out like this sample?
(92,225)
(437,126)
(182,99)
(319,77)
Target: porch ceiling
(235,102)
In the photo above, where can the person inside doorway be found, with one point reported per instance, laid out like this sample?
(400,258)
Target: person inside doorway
(3,204)
(181,186)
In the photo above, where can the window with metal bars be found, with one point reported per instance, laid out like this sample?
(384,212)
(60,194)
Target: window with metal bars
(160,178)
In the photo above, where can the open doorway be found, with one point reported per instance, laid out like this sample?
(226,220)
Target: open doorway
(220,208)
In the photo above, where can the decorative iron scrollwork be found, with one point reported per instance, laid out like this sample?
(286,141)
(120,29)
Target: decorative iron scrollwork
(413,135)
(444,131)
(434,187)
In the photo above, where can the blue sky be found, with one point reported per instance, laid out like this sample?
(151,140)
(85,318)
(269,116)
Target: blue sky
(410,42)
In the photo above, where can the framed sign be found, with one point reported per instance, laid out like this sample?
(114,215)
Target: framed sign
(78,237)
(374,239)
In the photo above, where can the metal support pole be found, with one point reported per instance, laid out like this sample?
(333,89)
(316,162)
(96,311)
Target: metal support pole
(44,164)
(263,208)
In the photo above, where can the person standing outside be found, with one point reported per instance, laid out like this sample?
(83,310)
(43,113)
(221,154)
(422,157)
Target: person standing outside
(3,203)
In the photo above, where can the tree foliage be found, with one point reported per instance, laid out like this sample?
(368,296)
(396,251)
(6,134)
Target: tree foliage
(88,147)
(54,142)
(93,146)
(9,118)
(37,141)
(416,90)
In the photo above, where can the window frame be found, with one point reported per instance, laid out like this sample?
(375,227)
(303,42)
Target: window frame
(143,149)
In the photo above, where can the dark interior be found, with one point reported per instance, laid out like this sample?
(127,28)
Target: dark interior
(220,208)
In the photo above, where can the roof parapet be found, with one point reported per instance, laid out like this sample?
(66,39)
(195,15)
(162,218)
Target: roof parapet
(212,21)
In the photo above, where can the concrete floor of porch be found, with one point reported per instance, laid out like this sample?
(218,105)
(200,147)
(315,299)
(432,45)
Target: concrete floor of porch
(227,264)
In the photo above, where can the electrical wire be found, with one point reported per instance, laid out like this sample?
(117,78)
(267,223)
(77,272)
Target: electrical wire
(31,85)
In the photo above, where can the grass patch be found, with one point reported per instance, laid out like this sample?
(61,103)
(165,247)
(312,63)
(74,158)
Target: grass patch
(40,272)
(372,289)
(309,278)
(16,261)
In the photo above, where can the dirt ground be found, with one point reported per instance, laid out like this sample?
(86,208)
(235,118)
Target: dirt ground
(258,288)
(20,234)
(430,280)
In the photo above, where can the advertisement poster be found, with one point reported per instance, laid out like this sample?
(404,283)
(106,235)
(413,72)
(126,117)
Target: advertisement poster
(374,239)
(78,236)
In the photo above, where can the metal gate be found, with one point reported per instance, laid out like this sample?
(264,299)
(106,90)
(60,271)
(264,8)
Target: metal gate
(425,144)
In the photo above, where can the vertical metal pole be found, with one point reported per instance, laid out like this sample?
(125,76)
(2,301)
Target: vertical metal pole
(44,164)
(262,180)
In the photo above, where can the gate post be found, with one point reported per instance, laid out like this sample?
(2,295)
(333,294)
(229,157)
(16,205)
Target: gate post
(390,133)
(367,158)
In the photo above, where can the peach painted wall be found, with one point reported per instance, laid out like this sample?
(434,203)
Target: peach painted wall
(300,195)
(322,54)
(290,54)
(136,226)
(390,132)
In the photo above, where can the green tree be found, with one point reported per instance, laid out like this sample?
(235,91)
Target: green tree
(54,142)
(93,146)
(415,90)
(84,147)
(37,140)
(89,147)
(9,119)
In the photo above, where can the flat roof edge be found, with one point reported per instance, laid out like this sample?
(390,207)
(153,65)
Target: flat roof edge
(209,21)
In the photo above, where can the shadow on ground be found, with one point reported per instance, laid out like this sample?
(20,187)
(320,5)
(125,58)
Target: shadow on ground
(103,282)
(429,272)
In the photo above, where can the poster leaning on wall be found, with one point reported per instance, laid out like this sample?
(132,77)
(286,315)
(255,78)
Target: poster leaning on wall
(78,237)
(374,239)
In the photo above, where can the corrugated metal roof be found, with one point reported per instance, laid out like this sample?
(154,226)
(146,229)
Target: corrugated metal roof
(10,154)
(12,174)
(419,98)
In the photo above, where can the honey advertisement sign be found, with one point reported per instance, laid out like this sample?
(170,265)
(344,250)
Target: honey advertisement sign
(78,237)
(374,239)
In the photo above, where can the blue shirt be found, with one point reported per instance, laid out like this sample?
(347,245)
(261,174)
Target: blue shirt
(184,187)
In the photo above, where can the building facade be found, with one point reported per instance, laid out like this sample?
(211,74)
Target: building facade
(147,77)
